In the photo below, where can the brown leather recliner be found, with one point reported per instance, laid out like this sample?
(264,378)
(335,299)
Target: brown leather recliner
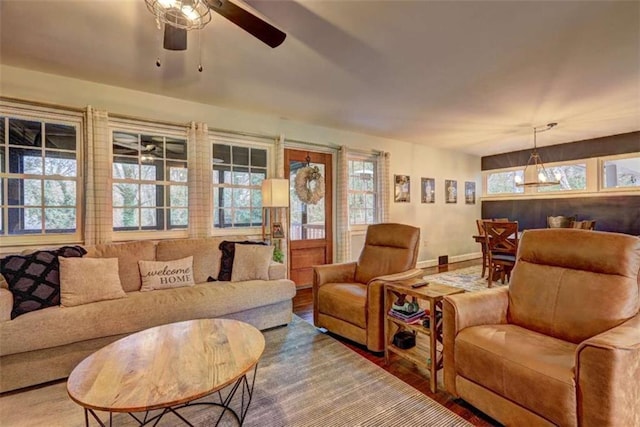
(348,297)
(560,345)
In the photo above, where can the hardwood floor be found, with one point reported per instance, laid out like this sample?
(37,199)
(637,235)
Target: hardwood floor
(403,369)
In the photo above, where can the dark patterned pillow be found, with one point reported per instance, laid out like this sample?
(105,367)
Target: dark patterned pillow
(228,250)
(34,279)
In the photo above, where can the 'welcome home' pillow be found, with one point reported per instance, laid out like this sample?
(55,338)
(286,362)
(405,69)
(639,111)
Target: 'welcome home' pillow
(166,274)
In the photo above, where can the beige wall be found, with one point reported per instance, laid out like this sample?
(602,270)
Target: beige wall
(446,228)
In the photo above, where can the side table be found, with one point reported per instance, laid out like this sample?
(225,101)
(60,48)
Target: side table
(425,353)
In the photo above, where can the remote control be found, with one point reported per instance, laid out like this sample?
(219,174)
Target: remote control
(419,285)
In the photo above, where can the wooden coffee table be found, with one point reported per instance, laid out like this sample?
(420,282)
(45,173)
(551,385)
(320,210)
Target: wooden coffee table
(167,368)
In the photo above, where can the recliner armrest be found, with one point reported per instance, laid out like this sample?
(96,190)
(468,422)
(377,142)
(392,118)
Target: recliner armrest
(409,274)
(462,311)
(607,372)
(334,273)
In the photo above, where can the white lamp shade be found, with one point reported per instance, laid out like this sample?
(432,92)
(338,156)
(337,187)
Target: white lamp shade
(275,193)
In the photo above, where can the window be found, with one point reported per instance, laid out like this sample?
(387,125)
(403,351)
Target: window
(571,177)
(504,182)
(362,192)
(150,189)
(621,172)
(238,172)
(39,183)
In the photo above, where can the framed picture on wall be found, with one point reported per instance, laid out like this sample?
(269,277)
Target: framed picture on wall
(402,189)
(428,194)
(277,232)
(470,193)
(451,190)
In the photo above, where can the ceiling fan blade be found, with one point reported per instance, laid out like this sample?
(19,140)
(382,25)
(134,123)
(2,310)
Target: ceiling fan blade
(175,38)
(249,22)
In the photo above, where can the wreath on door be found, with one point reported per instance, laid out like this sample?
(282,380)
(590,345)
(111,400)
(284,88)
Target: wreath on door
(309,185)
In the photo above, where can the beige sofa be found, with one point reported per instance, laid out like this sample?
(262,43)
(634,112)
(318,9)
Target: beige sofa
(46,344)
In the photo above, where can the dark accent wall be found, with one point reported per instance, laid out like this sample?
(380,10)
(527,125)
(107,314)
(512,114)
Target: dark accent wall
(606,146)
(620,214)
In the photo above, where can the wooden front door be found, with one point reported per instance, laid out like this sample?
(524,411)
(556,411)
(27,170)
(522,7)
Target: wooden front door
(310,225)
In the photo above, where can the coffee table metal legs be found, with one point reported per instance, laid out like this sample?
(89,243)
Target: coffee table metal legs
(244,384)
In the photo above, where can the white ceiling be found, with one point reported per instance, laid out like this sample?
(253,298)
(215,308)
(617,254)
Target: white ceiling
(473,76)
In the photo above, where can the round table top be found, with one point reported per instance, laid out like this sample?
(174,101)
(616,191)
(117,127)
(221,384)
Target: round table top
(166,365)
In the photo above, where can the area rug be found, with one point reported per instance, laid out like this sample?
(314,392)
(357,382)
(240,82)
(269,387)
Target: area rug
(305,378)
(467,278)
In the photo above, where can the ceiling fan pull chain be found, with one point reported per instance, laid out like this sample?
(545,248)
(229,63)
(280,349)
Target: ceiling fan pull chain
(200,51)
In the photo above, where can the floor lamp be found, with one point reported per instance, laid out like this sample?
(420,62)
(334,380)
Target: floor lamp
(275,195)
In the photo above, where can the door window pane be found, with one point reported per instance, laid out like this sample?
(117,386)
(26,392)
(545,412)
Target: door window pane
(307,220)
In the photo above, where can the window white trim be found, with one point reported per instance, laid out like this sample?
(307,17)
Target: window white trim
(600,173)
(46,115)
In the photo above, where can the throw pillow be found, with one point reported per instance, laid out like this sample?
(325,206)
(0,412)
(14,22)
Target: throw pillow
(85,280)
(226,259)
(166,274)
(251,263)
(34,279)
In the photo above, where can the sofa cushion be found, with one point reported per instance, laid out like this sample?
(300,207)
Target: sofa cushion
(85,280)
(345,301)
(140,310)
(166,274)
(128,255)
(228,250)
(205,253)
(533,370)
(34,279)
(251,262)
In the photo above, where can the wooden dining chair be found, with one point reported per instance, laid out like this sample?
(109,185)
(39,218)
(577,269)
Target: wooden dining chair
(560,221)
(502,246)
(483,245)
(586,224)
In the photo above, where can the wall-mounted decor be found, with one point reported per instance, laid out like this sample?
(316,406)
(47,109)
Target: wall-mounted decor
(470,193)
(277,232)
(451,190)
(428,190)
(402,189)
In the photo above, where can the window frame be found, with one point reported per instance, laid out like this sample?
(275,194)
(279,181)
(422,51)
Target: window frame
(150,129)
(55,116)
(246,143)
(376,191)
(485,182)
(601,178)
(549,166)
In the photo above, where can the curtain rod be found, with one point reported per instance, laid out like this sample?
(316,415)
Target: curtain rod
(27,103)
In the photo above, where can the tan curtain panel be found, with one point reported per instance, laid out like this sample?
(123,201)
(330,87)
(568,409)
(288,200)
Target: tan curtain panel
(384,186)
(200,184)
(343,241)
(98,225)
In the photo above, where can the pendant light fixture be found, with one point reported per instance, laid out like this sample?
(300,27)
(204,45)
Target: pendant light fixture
(543,177)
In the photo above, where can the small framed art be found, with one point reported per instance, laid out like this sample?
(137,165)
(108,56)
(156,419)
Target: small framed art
(470,193)
(428,190)
(451,190)
(277,232)
(402,188)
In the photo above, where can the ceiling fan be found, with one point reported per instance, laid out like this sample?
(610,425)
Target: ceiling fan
(179,16)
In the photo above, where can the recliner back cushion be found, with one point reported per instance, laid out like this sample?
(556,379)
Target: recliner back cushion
(574,284)
(388,249)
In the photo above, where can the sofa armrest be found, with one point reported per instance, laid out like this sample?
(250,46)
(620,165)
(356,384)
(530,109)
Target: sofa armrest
(375,306)
(277,271)
(607,369)
(462,311)
(6,304)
